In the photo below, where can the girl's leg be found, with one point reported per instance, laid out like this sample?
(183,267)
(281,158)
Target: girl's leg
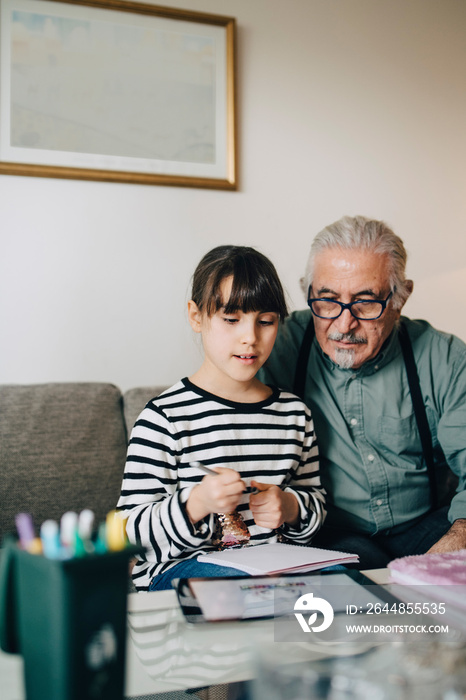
(191,568)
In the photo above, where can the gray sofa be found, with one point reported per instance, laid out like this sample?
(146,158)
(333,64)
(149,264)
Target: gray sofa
(63,447)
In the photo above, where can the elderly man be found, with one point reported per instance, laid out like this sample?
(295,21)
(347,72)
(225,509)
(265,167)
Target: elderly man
(387,394)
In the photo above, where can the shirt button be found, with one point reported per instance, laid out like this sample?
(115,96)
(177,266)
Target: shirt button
(353,421)
(376,367)
(370,458)
(379,502)
(353,376)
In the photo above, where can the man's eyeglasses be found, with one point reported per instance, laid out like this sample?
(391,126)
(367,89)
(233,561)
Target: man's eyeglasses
(365,310)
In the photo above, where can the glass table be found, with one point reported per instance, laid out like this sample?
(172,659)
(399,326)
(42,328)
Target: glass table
(167,654)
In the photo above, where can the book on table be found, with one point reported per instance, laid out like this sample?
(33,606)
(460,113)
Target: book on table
(437,568)
(439,575)
(277,558)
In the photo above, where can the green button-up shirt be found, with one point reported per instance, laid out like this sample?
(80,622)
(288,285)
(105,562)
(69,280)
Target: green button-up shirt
(371,457)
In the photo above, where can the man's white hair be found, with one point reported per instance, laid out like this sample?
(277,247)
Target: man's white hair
(358,232)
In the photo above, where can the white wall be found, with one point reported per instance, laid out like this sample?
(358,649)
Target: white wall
(345,107)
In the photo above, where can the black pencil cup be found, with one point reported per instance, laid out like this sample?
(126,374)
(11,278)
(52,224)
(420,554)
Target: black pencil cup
(68,621)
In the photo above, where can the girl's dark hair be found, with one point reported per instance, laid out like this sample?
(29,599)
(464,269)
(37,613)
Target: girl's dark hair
(256,286)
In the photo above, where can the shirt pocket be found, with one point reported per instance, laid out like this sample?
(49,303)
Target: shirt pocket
(400,442)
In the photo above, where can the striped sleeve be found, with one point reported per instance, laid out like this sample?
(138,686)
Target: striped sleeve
(306,487)
(150,499)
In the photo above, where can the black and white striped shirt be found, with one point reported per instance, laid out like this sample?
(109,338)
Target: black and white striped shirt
(271,441)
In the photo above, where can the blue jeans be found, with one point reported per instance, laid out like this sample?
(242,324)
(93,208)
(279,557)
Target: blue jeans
(191,568)
(375,551)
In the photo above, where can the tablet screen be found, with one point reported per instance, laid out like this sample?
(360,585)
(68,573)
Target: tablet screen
(254,597)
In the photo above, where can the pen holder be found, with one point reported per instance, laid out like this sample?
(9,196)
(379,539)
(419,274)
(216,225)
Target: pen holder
(68,620)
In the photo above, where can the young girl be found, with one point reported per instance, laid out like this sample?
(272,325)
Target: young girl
(225,418)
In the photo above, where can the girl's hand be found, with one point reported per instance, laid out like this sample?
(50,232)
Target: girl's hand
(272,507)
(215,494)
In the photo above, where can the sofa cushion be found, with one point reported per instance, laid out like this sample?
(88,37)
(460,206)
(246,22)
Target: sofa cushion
(134,401)
(63,447)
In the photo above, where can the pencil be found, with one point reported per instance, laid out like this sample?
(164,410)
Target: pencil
(207,470)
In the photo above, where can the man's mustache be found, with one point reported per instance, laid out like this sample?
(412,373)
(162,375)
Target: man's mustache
(347,337)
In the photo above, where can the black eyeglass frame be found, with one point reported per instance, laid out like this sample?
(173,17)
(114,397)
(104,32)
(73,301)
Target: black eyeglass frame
(383,303)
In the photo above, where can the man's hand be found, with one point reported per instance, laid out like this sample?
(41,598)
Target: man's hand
(453,540)
(272,507)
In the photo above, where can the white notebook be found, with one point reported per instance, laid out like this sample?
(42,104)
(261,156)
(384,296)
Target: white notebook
(277,558)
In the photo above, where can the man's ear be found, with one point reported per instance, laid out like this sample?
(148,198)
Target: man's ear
(409,286)
(194,316)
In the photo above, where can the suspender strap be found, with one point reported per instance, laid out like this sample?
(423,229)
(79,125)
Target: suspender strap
(303,357)
(414,388)
(419,409)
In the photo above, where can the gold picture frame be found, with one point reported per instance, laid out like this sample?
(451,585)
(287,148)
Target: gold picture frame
(117,91)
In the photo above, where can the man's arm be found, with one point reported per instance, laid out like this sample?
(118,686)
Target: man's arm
(449,400)
(453,540)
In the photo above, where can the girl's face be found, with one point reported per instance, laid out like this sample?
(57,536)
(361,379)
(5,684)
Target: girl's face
(235,345)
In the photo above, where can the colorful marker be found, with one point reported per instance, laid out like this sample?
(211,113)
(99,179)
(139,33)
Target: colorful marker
(115,531)
(50,538)
(83,537)
(68,530)
(25,529)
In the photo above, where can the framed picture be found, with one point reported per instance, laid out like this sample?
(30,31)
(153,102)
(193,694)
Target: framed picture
(117,91)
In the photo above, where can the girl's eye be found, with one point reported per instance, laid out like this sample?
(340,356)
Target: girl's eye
(230,320)
(269,320)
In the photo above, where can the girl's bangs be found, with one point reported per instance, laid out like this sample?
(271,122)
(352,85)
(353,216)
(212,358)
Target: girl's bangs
(249,295)
(246,299)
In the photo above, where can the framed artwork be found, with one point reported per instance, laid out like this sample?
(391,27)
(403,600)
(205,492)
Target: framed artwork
(117,91)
